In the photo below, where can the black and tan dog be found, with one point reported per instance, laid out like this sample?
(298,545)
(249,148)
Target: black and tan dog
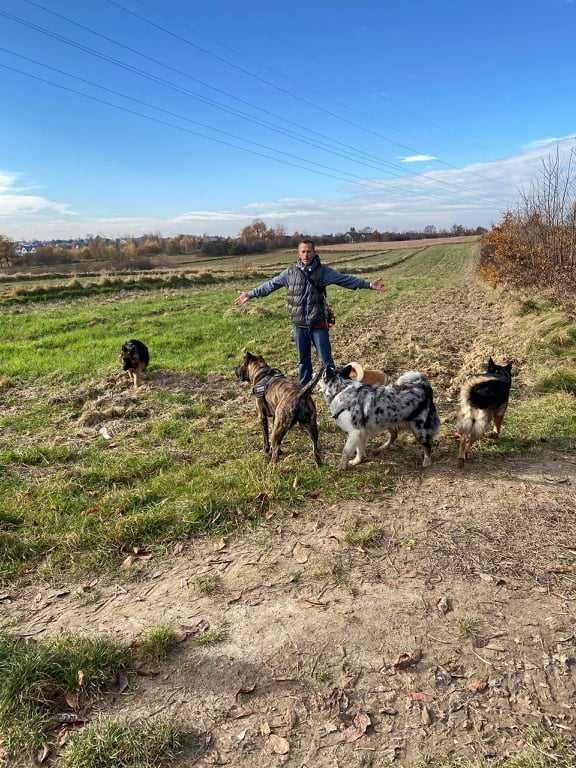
(483,402)
(281,399)
(134,358)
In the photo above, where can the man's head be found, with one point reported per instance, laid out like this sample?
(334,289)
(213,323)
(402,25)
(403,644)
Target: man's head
(306,252)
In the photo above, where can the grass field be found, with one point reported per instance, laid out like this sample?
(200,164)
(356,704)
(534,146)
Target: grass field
(184,454)
(96,479)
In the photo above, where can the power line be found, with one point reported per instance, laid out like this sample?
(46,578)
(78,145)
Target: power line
(374,159)
(266,81)
(171,125)
(331,172)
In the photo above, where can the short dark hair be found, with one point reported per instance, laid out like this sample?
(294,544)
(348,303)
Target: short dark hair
(307,241)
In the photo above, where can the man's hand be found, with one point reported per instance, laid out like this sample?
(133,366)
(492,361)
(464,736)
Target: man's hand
(242,298)
(378,285)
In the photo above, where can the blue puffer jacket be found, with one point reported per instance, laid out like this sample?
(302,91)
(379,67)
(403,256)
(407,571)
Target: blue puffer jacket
(306,290)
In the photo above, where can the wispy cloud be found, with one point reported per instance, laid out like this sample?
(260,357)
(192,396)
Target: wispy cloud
(418,158)
(15,202)
(547,142)
(473,194)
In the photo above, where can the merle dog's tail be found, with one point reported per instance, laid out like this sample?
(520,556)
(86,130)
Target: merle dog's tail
(307,388)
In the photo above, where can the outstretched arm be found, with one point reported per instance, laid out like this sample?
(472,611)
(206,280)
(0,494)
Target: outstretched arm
(265,289)
(332,277)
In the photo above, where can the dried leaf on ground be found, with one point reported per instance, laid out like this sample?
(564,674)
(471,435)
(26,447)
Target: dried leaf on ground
(128,562)
(420,696)
(234,597)
(237,713)
(407,660)
(300,554)
(42,755)
(246,688)
(197,629)
(442,677)
(477,685)
(277,745)
(426,715)
(444,605)
(358,728)
(338,701)
(265,729)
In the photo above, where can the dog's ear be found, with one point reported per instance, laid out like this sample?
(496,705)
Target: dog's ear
(348,372)
(508,366)
(329,373)
(248,355)
(491,365)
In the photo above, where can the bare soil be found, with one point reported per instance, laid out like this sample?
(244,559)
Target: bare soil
(438,621)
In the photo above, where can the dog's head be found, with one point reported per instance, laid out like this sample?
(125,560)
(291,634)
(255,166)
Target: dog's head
(333,381)
(249,366)
(353,371)
(129,356)
(501,371)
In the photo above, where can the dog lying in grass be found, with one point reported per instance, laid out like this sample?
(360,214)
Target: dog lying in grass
(483,402)
(281,399)
(357,372)
(134,358)
(362,410)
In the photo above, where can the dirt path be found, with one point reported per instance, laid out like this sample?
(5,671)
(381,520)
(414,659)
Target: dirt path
(437,621)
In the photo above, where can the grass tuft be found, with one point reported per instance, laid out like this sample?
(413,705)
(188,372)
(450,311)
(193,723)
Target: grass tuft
(211,637)
(36,678)
(157,644)
(109,744)
(364,536)
(561,380)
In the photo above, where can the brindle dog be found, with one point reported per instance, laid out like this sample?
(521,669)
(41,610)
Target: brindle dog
(281,399)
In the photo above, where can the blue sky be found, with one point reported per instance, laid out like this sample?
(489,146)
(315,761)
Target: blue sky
(353,90)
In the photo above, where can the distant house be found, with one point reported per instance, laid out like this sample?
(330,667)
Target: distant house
(359,236)
(24,250)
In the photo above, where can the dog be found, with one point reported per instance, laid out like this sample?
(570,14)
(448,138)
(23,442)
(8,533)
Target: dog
(281,399)
(134,358)
(365,409)
(483,402)
(364,375)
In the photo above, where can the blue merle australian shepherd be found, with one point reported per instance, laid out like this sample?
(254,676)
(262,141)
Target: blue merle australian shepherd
(362,410)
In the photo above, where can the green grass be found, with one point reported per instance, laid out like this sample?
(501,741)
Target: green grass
(561,380)
(195,464)
(157,644)
(35,677)
(110,744)
(210,637)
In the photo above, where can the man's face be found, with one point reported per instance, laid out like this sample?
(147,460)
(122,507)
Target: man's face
(306,253)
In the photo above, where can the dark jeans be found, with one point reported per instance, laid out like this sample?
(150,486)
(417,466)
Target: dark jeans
(304,338)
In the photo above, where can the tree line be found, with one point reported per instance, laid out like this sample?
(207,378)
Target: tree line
(147,250)
(535,244)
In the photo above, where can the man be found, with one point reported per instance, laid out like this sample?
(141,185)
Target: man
(308,309)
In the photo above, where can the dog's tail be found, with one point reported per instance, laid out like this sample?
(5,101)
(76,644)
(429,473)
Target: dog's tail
(472,421)
(307,388)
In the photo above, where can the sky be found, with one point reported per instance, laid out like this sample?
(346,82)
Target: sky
(130,116)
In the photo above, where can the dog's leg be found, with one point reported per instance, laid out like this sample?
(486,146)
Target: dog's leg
(498,419)
(427,446)
(312,430)
(462,450)
(349,450)
(360,449)
(279,429)
(392,436)
(265,431)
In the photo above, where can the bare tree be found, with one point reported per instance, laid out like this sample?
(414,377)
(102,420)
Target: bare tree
(7,252)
